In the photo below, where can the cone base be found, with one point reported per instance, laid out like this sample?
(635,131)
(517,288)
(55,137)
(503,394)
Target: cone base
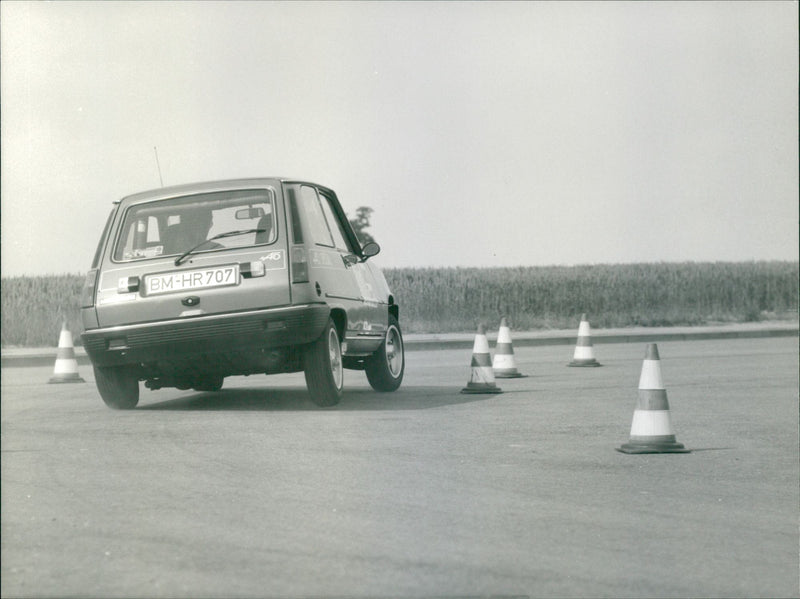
(585,363)
(479,389)
(66,379)
(634,448)
(508,375)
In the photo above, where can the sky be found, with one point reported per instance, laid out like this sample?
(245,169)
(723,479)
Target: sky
(480,133)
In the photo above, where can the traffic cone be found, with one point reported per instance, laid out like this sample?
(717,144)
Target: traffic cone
(482,377)
(584,353)
(651,430)
(66,367)
(504,365)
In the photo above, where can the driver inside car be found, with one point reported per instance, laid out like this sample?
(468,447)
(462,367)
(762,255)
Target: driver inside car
(191,231)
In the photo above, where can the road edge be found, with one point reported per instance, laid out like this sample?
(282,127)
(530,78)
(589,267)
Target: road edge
(20,357)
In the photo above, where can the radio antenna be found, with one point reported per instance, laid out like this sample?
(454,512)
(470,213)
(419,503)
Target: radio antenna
(155,149)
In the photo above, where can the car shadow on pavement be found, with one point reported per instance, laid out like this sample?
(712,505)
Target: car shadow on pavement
(297,399)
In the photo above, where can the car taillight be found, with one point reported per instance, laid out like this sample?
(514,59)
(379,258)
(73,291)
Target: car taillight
(89,285)
(250,270)
(299,265)
(128,284)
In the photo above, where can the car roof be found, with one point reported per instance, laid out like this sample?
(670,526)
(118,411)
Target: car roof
(172,191)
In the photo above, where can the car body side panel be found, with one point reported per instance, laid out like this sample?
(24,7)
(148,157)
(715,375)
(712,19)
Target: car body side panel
(345,282)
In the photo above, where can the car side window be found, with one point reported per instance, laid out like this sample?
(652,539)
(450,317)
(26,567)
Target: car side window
(325,227)
(315,217)
(334,224)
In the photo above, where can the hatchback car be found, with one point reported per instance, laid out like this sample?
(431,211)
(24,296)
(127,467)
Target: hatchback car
(195,283)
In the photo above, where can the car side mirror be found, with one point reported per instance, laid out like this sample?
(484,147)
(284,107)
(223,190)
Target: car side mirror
(369,250)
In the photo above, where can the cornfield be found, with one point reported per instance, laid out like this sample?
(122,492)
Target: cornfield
(34,309)
(440,300)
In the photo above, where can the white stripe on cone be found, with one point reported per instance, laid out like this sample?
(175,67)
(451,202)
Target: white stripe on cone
(651,423)
(650,377)
(583,352)
(482,375)
(504,334)
(481,345)
(504,362)
(65,366)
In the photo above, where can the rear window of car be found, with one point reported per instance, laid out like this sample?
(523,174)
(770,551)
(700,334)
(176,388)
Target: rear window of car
(173,226)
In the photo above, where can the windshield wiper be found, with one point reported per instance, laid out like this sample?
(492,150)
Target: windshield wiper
(180,258)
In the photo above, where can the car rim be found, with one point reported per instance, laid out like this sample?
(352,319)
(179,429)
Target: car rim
(335,355)
(394,351)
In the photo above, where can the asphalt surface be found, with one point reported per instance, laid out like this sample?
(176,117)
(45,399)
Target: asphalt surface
(255,492)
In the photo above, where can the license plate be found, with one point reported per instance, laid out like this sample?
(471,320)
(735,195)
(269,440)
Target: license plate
(187,280)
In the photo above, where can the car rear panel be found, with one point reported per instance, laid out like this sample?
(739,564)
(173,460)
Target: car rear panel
(241,333)
(117,306)
(216,282)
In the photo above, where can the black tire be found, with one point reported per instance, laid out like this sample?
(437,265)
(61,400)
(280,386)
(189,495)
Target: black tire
(211,384)
(118,386)
(385,367)
(322,363)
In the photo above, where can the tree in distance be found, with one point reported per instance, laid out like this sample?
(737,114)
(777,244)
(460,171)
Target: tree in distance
(360,223)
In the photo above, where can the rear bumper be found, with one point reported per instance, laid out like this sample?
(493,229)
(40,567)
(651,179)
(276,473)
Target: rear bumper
(203,335)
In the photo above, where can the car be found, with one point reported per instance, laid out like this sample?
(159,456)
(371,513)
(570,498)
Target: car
(194,283)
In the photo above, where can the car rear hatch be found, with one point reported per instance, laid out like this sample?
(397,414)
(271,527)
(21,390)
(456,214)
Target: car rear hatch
(203,253)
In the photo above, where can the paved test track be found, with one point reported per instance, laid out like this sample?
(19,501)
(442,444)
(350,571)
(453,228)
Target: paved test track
(256,492)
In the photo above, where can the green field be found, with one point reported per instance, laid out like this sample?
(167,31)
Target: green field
(438,300)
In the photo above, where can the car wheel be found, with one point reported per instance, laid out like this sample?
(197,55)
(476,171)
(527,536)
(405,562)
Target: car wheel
(212,384)
(385,367)
(118,386)
(322,363)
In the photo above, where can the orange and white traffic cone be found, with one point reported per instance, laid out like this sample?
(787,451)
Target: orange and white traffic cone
(651,430)
(482,377)
(504,364)
(66,367)
(584,353)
